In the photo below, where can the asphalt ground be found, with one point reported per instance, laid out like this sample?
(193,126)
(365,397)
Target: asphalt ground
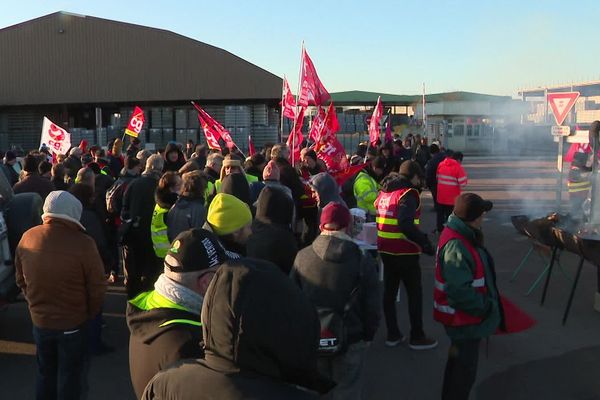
(549,361)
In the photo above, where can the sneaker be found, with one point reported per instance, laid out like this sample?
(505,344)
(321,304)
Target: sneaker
(393,342)
(424,343)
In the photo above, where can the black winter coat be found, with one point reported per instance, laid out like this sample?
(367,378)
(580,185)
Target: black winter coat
(271,238)
(153,348)
(260,337)
(328,271)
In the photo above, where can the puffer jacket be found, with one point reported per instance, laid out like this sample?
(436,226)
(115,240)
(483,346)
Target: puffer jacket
(451,179)
(328,271)
(260,341)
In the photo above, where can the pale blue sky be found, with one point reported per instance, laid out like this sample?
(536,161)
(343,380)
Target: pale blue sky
(382,46)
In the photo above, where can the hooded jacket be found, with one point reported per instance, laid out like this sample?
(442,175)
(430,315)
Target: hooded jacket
(187,213)
(328,271)
(327,188)
(155,341)
(271,230)
(260,335)
(173,165)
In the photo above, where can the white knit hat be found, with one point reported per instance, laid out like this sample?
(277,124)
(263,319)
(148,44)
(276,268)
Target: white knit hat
(63,205)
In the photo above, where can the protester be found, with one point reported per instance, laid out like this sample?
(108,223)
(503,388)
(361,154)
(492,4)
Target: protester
(73,162)
(271,176)
(336,276)
(8,167)
(140,262)
(189,210)
(214,163)
(45,169)
(32,182)
(399,242)
(86,176)
(386,152)
(579,184)
(437,157)
(134,148)
(116,193)
(366,187)
(326,190)
(311,165)
(143,156)
(237,185)
(255,165)
(59,307)
(164,323)
(58,177)
(272,238)
(232,165)
(189,166)
(231,220)
(174,158)
(189,149)
(260,341)
(451,179)
(200,155)
(167,192)
(466,299)
(422,152)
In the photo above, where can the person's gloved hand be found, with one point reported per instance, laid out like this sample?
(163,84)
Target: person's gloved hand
(428,249)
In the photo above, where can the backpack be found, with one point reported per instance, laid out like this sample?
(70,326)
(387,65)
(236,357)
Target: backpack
(114,196)
(333,339)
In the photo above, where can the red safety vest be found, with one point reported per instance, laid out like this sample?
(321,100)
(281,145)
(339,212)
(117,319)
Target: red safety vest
(451,178)
(390,238)
(442,312)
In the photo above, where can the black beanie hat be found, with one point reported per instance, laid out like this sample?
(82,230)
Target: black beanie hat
(469,206)
(194,250)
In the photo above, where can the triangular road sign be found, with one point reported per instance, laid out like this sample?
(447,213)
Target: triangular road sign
(561,104)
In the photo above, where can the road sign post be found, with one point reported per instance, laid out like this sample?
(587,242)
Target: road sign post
(560,104)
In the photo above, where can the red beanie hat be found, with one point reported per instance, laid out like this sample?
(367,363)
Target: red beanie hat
(335,217)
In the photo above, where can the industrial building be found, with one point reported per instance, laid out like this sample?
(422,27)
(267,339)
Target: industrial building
(86,74)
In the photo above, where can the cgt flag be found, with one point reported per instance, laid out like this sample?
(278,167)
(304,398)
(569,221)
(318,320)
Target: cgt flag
(55,138)
(251,150)
(216,129)
(136,122)
(374,123)
(333,154)
(295,138)
(312,91)
(212,136)
(288,104)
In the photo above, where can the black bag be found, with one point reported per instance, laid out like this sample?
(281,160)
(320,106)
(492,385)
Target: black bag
(334,333)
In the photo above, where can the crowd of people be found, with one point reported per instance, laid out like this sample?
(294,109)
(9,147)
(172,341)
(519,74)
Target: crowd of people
(242,274)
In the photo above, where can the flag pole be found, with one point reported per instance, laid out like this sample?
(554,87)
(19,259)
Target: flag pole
(282,108)
(297,97)
(424,114)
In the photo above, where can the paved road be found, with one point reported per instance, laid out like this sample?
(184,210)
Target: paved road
(547,362)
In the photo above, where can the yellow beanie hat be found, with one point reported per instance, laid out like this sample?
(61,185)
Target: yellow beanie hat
(227,214)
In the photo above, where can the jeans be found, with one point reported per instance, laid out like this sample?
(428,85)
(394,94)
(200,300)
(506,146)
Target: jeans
(406,269)
(461,369)
(346,371)
(61,363)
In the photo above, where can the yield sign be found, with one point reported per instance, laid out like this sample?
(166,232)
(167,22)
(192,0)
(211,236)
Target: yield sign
(561,104)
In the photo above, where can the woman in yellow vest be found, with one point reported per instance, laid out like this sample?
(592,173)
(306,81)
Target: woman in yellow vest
(167,192)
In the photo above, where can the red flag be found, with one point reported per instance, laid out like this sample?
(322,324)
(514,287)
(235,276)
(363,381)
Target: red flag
(219,130)
(312,91)
(342,176)
(288,104)
(333,154)
(515,319)
(388,130)
(251,150)
(317,126)
(374,123)
(294,140)
(136,122)
(212,136)
(332,126)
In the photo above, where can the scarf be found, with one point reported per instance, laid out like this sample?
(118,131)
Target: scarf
(179,294)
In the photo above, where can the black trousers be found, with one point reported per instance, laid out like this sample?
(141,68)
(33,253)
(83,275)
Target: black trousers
(442,213)
(405,269)
(461,369)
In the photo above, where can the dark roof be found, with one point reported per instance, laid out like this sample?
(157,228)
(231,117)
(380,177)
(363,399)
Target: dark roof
(357,97)
(64,58)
